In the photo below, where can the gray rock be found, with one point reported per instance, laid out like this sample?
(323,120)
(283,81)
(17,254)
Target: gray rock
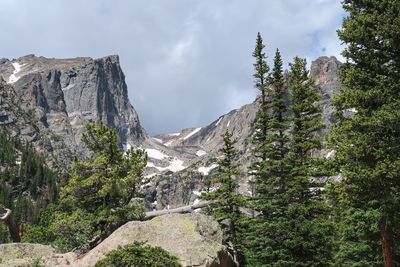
(195,239)
(63,95)
(23,254)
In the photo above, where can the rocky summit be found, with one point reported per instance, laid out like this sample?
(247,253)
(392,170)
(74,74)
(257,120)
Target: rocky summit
(65,94)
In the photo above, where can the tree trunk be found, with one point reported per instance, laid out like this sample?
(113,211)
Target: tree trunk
(7,219)
(386,243)
(185,209)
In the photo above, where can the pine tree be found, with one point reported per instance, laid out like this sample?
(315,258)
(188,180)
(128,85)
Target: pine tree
(261,76)
(103,186)
(255,241)
(367,142)
(266,230)
(310,230)
(227,196)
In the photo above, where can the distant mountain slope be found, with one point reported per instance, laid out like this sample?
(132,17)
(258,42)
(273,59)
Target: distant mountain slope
(206,141)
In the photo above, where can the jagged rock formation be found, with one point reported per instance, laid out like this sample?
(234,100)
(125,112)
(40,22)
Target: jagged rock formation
(65,94)
(16,120)
(60,96)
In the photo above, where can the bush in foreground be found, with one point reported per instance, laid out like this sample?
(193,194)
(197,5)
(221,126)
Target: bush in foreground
(138,255)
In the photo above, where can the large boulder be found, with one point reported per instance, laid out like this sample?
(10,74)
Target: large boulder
(194,238)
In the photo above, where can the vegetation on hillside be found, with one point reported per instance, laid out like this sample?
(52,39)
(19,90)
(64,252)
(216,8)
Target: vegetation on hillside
(227,198)
(96,199)
(26,182)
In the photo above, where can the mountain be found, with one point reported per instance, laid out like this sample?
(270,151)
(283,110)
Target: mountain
(65,94)
(175,189)
(59,96)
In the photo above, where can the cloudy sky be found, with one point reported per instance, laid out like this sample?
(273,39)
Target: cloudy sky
(186,61)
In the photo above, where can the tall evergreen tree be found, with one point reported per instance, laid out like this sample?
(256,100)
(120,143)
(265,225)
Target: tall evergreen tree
(267,230)
(256,231)
(367,143)
(228,199)
(310,230)
(261,77)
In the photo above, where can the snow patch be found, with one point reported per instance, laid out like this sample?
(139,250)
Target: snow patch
(157,140)
(196,201)
(197,193)
(150,164)
(354,110)
(174,134)
(175,165)
(155,154)
(17,68)
(227,125)
(200,153)
(220,119)
(126,147)
(192,133)
(206,170)
(168,143)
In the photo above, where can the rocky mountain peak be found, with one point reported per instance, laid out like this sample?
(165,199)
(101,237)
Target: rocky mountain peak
(65,94)
(325,69)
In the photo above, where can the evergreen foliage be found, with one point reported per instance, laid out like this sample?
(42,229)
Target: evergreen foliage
(367,143)
(268,227)
(139,255)
(228,199)
(261,76)
(292,227)
(26,183)
(96,198)
(310,229)
(107,181)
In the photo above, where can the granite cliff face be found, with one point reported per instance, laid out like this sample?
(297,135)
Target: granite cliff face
(65,94)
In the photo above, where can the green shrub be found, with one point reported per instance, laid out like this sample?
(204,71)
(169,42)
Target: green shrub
(139,255)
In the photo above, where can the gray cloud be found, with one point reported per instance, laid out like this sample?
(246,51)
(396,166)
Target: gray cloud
(186,62)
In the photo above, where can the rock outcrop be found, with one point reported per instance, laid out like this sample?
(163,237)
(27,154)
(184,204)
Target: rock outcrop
(65,94)
(194,238)
(23,254)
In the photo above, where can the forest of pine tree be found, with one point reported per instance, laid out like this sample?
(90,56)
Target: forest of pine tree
(26,183)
